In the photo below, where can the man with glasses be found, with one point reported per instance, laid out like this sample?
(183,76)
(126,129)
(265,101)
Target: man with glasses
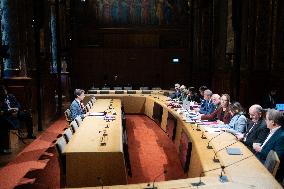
(256,131)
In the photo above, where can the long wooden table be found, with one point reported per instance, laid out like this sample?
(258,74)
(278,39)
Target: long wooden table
(89,162)
(248,173)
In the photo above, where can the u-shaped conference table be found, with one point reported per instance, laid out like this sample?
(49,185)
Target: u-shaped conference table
(95,156)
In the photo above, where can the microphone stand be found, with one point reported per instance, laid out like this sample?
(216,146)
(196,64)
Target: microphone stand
(210,147)
(200,183)
(222,178)
(101,182)
(203,136)
(217,160)
(153,186)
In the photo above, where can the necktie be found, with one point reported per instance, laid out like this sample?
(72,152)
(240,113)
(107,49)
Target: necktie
(245,138)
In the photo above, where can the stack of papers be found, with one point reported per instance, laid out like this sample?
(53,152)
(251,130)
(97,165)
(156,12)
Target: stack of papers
(97,114)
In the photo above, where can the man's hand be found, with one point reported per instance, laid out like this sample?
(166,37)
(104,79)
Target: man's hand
(240,136)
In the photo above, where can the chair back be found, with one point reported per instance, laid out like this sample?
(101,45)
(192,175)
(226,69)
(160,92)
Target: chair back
(78,120)
(68,134)
(127,88)
(117,88)
(131,92)
(144,88)
(119,92)
(92,91)
(67,114)
(156,88)
(88,107)
(93,99)
(146,92)
(105,88)
(272,162)
(60,145)
(74,126)
(104,92)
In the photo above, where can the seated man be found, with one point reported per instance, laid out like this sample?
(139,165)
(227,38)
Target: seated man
(256,131)
(183,93)
(77,107)
(206,107)
(274,141)
(13,113)
(176,94)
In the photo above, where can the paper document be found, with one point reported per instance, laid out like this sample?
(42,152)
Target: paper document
(97,114)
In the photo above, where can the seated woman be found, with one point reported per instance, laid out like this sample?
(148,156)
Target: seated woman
(239,121)
(222,113)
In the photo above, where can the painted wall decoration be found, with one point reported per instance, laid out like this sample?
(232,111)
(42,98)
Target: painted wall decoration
(140,12)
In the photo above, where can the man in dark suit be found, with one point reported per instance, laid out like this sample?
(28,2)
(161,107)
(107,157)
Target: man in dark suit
(256,131)
(77,107)
(176,94)
(206,106)
(274,141)
(13,113)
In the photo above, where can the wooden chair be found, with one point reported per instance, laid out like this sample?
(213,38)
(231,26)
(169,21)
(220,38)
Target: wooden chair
(156,88)
(119,92)
(60,147)
(144,88)
(104,92)
(67,114)
(74,126)
(78,120)
(127,88)
(117,88)
(131,92)
(93,99)
(88,107)
(68,134)
(105,88)
(93,91)
(272,162)
(146,92)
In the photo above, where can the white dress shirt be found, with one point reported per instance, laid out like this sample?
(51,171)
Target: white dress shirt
(272,131)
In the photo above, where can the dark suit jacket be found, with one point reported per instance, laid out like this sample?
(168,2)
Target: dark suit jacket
(206,107)
(174,95)
(276,143)
(76,110)
(257,135)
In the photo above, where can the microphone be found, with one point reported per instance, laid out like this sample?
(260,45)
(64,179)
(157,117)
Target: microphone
(203,136)
(210,147)
(200,183)
(222,178)
(153,185)
(217,160)
(101,182)
(197,127)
